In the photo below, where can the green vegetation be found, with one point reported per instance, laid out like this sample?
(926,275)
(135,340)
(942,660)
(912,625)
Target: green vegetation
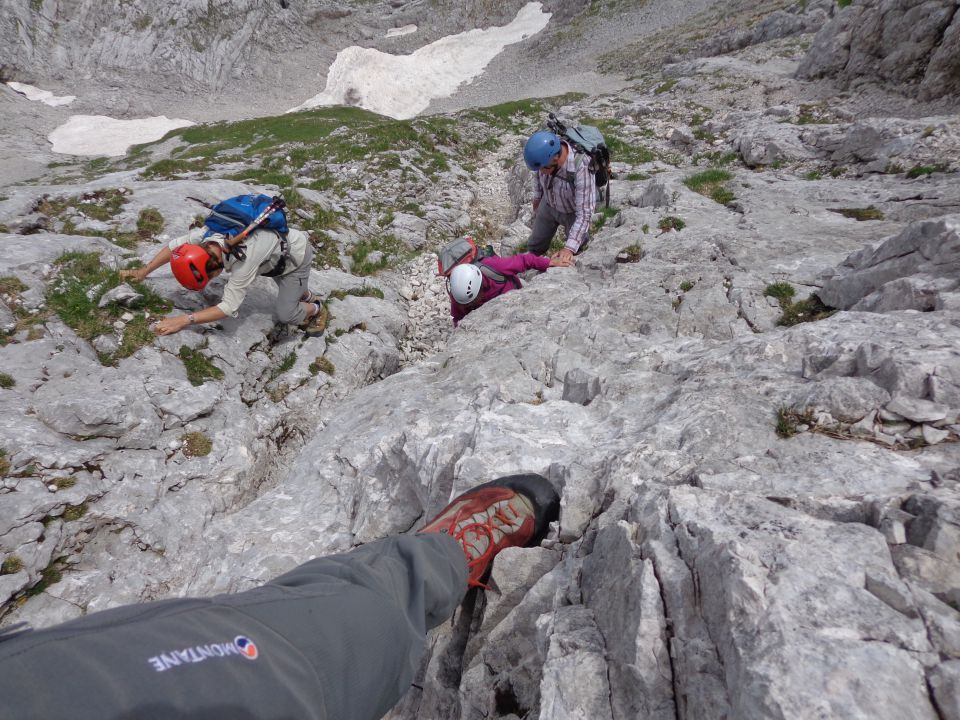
(74,512)
(859,214)
(6,381)
(629,152)
(920,170)
(104,206)
(813,175)
(198,367)
(807,310)
(665,86)
(813,114)
(373,254)
(634,176)
(837,172)
(789,422)
(4,463)
(671,222)
(50,575)
(645,228)
(11,285)
(605,213)
(844,3)
(796,312)
(63,483)
(782,291)
(149,222)
(321,364)
(630,254)
(11,565)
(710,183)
(196,444)
(365,291)
(289,360)
(687,285)
(75,295)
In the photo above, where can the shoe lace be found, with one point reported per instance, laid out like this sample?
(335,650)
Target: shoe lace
(475,556)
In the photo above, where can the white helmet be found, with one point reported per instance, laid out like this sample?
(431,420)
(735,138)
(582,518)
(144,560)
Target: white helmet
(465,281)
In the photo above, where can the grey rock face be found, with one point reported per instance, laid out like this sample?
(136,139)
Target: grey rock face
(905,43)
(703,566)
(929,250)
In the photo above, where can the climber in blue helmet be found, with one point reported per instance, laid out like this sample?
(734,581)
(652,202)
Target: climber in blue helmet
(564,193)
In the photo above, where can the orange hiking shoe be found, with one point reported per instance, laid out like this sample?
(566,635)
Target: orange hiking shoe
(514,511)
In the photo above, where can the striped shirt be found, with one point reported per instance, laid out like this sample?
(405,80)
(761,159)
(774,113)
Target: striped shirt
(578,196)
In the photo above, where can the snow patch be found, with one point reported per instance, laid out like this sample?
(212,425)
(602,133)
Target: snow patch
(397,32)
(102,135)
(44,96)
(402,86)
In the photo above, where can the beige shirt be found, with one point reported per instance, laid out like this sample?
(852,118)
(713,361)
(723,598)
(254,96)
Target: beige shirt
(263,254)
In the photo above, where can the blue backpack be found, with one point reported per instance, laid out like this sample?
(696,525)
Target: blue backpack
(229,217)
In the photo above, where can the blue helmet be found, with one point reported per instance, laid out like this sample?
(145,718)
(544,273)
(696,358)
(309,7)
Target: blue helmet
(541,149)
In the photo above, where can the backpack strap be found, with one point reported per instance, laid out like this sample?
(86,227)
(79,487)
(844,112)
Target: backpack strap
(284,256)
(498,276)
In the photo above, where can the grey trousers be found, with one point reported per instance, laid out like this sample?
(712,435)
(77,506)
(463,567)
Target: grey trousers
(545,224)
(290,289)
(337,638)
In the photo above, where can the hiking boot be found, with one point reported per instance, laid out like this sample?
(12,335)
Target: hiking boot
(310,297)
(514,511)
(316,323)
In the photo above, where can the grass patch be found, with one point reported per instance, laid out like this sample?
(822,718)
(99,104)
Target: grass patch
(149,222)
(782,291)
(373,254)
(921,170)
(11,565)
(665,86)
(321,365)
(74,512)
(710,183)
(365,291)
(50,575)
(671,222)
(196,444)
(6,381)
(4,463)
(12,286)
(75,294)
(813,175)
(687,285)
(796,312)
(844,3)
(808,310)
(789,422)
(630,254)
(199,368)
(289,360)
(859,214)
(606,213)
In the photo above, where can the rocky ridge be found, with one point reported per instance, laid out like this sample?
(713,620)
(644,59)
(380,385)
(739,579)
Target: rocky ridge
(758,520)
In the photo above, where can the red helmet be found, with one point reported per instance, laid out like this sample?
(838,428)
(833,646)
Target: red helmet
(189,265)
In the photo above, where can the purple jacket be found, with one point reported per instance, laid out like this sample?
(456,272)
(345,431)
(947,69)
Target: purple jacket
(489,289)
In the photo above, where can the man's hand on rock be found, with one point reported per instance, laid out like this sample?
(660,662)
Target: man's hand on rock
(564,258)
(137,274)
(171,325)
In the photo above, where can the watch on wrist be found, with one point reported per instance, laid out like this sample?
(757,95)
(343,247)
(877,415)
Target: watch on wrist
(191,318)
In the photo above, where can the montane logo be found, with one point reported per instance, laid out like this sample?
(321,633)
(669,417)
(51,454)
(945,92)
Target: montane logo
(241,646)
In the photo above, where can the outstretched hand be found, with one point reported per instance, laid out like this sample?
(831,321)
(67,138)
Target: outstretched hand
(171,325)
(137,274)
(564,258)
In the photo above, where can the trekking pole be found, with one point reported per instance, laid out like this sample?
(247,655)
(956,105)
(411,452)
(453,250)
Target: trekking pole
(278,203)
